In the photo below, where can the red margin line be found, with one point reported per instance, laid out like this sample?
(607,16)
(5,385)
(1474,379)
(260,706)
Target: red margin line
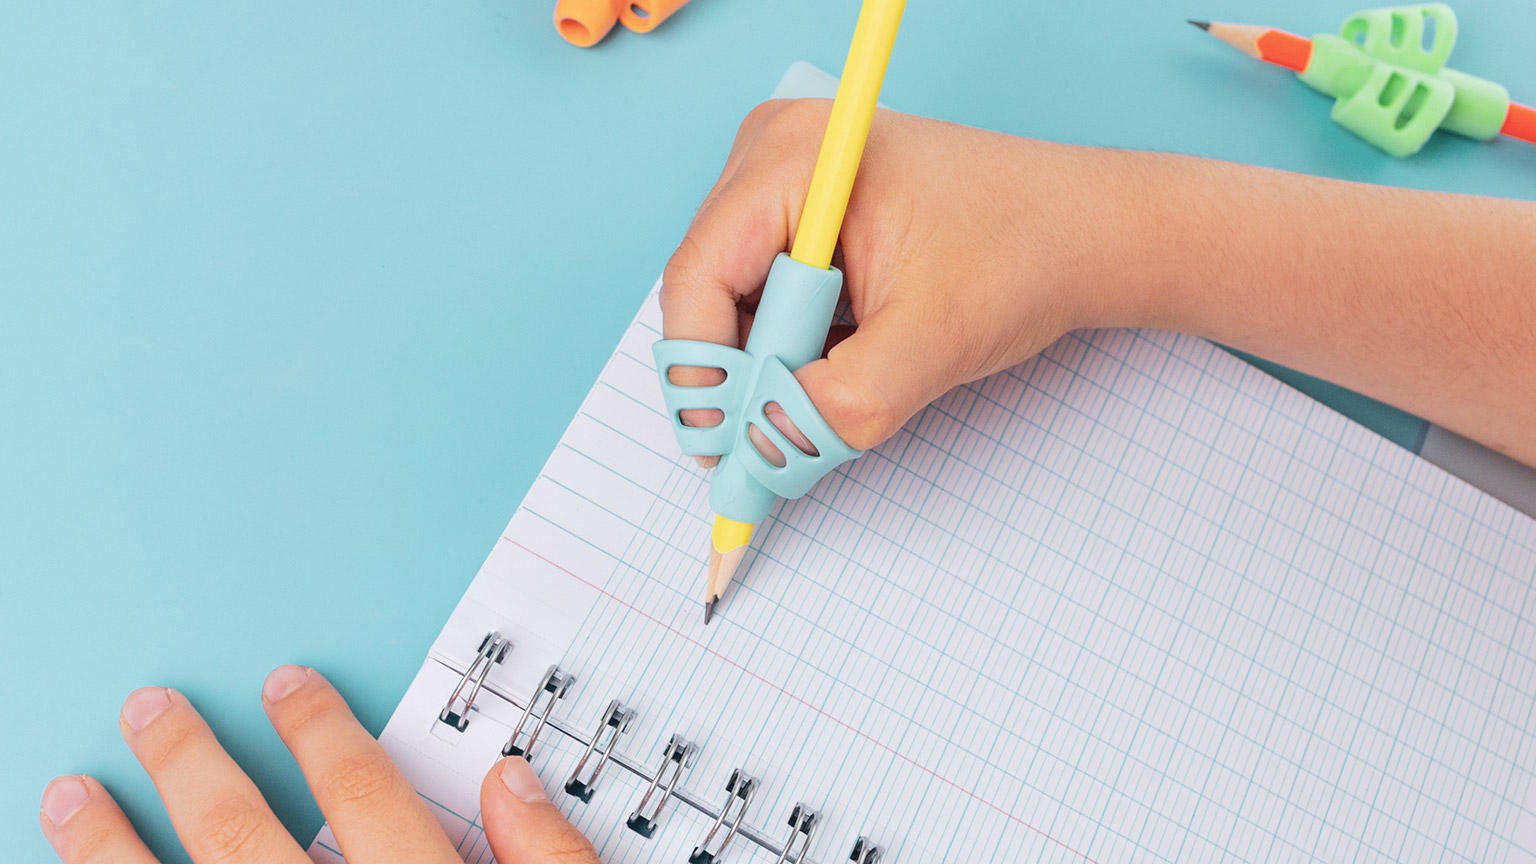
(887,748)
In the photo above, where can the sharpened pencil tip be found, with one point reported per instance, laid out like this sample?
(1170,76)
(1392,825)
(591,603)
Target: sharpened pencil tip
(709,611)
(1203,25)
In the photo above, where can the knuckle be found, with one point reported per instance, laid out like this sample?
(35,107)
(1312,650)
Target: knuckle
(165,740)
(684,262)
(781,129)
(230,830)
(566,845)
(92,845)
(757,117)
(361,777)
(798,117)
(951,325)
(683,278)
(859,415)
(304,709)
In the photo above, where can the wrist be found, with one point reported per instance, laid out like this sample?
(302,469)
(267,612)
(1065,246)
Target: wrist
(1120,236)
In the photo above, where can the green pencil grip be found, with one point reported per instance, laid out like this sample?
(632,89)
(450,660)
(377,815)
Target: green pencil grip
(1386,69)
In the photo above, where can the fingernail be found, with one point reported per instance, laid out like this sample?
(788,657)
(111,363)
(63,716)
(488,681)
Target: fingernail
(517,775)
(702,460)
(64,797)
(282,681)
(143,705)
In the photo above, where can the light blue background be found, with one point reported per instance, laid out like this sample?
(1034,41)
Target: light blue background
(295,298)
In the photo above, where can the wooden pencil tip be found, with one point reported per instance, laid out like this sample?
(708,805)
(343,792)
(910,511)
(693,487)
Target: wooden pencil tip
(1203,25)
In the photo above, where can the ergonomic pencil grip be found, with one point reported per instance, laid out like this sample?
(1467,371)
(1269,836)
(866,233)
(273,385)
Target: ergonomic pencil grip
(1393,89)
(642,16)
(584,23)
(789,331)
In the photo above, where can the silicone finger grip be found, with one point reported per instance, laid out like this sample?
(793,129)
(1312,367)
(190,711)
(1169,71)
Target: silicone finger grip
(1392,89)
(725,397)
(775,383)
(642,16)
(788,332)
(584,23)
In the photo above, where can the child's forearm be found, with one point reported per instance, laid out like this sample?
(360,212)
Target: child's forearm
(1423,300)
(966,252)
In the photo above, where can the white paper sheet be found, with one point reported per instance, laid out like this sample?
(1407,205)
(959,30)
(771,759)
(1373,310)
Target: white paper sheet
(1131,601)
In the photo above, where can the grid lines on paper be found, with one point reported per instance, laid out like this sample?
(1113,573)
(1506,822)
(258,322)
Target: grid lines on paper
(1130,601)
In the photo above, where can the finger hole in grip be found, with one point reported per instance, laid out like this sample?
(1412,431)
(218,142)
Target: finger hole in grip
(764,447)
(701,418)
(702,385)
(1411,107)
(684,375)
(801,469)
(1389,93)
(783,431)
(699,377)
(774,413)
(584,23)
(643,16)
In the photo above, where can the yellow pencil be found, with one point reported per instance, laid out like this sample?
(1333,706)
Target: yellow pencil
(822,218)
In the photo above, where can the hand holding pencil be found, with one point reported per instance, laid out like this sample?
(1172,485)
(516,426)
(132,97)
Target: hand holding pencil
(792,322)
(966,252)
(920,330)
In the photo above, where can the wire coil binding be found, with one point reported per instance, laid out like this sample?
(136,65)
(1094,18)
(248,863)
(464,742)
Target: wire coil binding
(493,650)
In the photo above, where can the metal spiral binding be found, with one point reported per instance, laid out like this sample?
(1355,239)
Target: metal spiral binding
(616,719)
(552,686)
(664,782)
(493,649)
(802,822)
(864,851)
(678,754)
(738,792)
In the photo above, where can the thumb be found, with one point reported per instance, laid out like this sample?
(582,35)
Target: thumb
(521,824)
(875,380)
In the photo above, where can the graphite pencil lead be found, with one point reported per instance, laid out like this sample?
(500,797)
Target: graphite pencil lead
(1203,25)
(709,611)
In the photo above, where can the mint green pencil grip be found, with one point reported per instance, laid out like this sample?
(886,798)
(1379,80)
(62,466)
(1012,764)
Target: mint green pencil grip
(789,331)
(1392,89)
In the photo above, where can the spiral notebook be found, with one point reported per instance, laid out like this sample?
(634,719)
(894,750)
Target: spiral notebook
(1133,600)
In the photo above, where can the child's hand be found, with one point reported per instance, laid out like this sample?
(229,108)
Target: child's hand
(222,819)
(966,252)
(961,252)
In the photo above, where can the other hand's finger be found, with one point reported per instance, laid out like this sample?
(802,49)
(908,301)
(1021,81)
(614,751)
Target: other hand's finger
(521,824)
(375,814)
(218,812)
(85,826)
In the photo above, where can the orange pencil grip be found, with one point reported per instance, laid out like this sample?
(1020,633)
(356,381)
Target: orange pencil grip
(642,16)
(584,23)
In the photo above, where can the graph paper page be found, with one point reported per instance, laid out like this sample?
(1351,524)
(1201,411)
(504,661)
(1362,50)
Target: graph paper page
(1130,601)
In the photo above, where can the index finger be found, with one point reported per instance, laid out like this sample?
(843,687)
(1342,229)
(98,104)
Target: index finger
(373,811)
(747,220)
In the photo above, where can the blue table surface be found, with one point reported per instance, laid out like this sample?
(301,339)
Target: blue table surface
(295,298)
